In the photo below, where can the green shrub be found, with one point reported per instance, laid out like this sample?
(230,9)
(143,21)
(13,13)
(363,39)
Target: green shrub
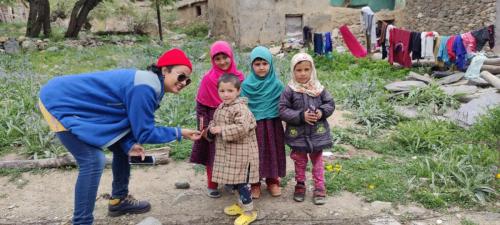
(487,129)
(461,174)
(431,99)
(426,136)
(197,29)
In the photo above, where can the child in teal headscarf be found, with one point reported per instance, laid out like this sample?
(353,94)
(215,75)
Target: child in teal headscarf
(263,90)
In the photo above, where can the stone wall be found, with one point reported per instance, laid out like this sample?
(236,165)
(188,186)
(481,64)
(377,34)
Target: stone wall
(448,17)
(264,21)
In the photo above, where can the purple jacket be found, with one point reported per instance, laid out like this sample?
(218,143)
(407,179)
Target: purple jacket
(299,135)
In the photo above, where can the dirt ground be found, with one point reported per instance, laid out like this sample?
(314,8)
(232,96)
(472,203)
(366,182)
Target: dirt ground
(47,198)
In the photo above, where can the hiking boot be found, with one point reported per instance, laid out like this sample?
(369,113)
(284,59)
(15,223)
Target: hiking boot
(319,197)
(213,193)
(129,204)
(255,190)
(246,218)
(274,189)
(233,210)
(300,192)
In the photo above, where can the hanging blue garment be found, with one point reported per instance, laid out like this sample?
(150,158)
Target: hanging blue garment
(318,43)
(461,53)
(328,42)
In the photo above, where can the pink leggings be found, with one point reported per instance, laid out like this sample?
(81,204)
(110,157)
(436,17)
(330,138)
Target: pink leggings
(300,159)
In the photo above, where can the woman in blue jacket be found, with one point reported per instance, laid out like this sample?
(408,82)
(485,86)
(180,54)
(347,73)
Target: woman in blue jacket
(113,109)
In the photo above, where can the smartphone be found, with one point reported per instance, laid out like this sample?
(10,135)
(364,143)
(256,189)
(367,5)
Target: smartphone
(136,160)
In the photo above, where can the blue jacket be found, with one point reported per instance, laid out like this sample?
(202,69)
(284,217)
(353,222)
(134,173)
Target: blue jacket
(102,108)
(461,53)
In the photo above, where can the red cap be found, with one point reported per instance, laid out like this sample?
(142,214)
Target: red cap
(174,57)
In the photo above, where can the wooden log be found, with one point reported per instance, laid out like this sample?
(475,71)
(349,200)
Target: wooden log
(161,156)
(492,61)
(490,68)
(490,78)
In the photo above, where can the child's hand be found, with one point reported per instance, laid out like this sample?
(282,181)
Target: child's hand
(192,135)
(310,117)
(319,114)
(215,130)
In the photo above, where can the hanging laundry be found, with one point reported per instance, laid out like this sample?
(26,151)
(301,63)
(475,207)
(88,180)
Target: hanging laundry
(388,37)
(398,48)
(415,45)
(475,66)
(368,21)
(449,47)
(307,36)
(381,40)
(437,44)
(328,42)
(352,43)
(483,35)
(461,53)
(428,44)
(469,42)
(318,43)
(442,54)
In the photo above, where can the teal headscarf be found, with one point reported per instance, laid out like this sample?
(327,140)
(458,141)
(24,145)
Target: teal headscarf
(263,93)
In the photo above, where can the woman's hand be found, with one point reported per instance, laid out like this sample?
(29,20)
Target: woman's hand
(192,135)
(215,130)
(137,150)
(319,114)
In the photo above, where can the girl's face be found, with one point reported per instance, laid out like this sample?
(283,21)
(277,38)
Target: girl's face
(302,72)
(178,78)
(260,67)
(228,92)
(222,61)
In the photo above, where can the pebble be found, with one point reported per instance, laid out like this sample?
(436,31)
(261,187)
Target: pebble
(181,185)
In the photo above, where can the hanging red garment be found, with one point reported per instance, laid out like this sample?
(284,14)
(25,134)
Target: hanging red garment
(398,47)
(449,47)
(352,43)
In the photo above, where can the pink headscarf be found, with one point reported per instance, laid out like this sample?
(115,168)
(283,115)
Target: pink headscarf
(207,93)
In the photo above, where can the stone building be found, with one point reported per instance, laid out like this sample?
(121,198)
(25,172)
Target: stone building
(191,10)
(248,22)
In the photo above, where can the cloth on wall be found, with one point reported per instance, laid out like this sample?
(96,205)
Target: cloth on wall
(475,66)
(318,43)
(415,45)
(352,43)
(307,35)
(388,37)
(369,24)
(486,34)
(427,39)
(461,53)
(449,48)
(469,42)
(381,40)
(328,42)
(399,47)
(442,54)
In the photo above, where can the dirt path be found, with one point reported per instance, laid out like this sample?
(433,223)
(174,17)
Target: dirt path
(48,199)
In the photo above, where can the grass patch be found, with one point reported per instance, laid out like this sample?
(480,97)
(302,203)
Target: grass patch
(430,99)
(425,136)
(460,174)
(377,179)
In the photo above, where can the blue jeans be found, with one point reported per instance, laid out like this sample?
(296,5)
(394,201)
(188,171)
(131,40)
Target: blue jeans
(91,162)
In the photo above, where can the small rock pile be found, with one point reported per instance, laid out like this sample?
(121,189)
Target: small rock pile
(476,95)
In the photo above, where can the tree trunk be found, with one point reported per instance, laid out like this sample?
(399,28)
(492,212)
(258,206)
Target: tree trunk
(79,15)
(158,16)
(39,18)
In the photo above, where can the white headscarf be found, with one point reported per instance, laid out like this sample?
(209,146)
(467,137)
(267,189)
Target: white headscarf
(312,87)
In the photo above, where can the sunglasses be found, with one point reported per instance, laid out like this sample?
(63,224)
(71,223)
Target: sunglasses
(183,77)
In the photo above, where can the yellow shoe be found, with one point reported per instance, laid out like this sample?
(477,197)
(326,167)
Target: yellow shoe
(246,218)
(233,210)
